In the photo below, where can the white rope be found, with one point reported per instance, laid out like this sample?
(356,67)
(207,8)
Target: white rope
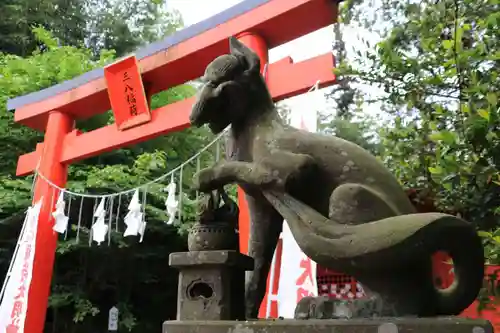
(162,177)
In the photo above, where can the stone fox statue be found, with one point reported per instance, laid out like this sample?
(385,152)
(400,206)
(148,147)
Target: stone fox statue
(345,209)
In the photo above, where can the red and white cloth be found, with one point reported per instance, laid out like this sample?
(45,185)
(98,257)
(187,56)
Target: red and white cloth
(15,293)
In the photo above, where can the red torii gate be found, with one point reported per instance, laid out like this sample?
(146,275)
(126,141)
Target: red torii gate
(260,24)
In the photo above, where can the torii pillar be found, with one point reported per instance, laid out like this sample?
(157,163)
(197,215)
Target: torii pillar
(260,24)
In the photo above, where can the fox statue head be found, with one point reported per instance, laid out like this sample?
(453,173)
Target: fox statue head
(233,92)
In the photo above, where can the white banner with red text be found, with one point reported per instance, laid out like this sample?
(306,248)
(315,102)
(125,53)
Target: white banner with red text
(14,301)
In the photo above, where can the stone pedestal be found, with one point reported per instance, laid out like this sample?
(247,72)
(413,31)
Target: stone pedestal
(378,325)
(211,297)
(211,284)
(325,307)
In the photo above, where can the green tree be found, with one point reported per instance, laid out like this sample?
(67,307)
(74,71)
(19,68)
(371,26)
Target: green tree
(361,131)
(65,18)
(89,280)
(438,65)
(347,119)
(121,26)
(124,25)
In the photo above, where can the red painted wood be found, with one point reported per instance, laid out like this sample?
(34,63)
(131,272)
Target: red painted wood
(491,313)
(259,46)
(46,239)
(175,117)
(273,286)
(277,21)
(126,93)
(243,225)
(492,310)
(444,271)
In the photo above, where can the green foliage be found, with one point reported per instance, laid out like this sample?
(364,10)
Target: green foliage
(64,17)
(361,132)
(439,69)
(19,76)
(350,122)
(98,24)
(492,245)
(347,119)
(89,280)
(124,25)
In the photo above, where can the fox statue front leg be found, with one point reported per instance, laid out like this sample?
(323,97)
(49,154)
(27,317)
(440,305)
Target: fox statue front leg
(242,173)
(265,222)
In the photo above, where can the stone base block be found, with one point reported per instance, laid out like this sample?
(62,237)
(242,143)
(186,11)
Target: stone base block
(324,307)
(211,284)
(375,325)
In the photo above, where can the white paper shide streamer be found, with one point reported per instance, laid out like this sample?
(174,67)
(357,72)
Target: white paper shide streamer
(134,218)
(60,218)
(99,228)
(171,204)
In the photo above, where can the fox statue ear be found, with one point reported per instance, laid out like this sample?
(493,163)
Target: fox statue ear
(239,50)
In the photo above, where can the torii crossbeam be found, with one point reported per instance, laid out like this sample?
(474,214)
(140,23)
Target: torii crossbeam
(260,24)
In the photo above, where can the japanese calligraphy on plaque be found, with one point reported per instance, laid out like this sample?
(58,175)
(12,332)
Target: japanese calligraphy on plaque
(130,95)
(126,93)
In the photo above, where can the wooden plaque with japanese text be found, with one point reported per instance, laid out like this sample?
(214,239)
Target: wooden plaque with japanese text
(126,93)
